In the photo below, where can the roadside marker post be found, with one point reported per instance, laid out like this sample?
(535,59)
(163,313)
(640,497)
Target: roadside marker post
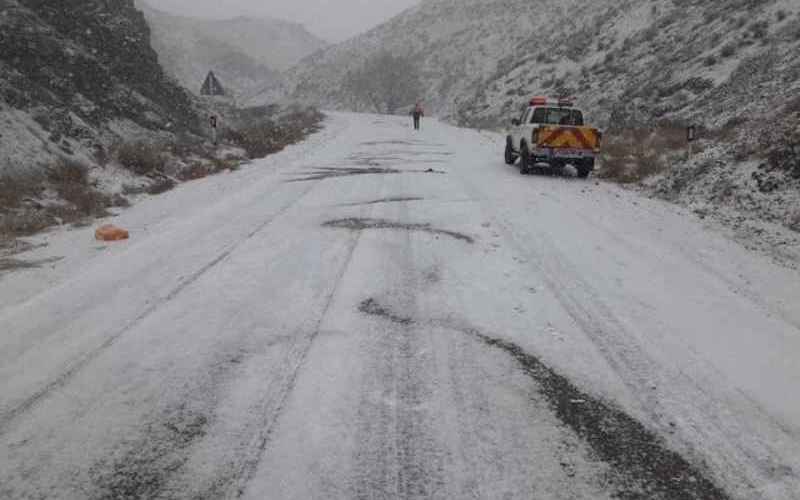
(691,136)
(212,121)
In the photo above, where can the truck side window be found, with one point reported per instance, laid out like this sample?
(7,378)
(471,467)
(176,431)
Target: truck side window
(539,115)
(524,115)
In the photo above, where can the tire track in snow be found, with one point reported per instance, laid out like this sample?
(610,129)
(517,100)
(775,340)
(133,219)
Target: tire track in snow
(259,445)
(399,454)
(235,484)
(77,365)
(144,470)
(737,287)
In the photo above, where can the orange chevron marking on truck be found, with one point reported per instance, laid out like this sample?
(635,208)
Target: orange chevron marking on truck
(568,137)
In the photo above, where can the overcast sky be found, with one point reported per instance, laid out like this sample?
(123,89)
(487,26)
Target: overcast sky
(333,20)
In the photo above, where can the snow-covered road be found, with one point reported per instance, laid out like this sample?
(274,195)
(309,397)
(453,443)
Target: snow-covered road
(381,314)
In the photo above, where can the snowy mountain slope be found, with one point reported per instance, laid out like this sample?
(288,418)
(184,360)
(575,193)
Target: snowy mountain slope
(245,53)
(77,75)
(277,43)
(633,61)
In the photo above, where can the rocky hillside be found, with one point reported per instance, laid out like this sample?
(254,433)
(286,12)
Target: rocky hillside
(246,54)
(634,62)
(481,58)
(643,71)
(76,76)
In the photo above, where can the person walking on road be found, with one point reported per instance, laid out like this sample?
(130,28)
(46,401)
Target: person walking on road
(418,113)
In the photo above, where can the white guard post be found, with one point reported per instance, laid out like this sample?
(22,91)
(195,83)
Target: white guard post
(691,136)
(213,122)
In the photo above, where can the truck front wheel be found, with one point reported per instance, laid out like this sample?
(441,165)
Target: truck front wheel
(524,158)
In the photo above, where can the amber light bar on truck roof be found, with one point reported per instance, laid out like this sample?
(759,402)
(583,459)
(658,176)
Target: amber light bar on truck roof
(544,101)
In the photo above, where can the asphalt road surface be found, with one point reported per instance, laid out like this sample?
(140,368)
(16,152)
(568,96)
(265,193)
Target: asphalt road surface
(379,314)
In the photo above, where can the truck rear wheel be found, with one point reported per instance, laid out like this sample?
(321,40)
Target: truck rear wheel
(510,156)
(585,168)
(524,158)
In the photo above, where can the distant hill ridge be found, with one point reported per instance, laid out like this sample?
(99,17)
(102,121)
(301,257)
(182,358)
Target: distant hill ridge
(247,54)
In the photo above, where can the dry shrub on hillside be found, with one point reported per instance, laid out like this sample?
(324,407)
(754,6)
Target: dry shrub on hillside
(729,50)
(201,169)
(778,142)
(15,224)
(15,218)
(14,189)
(70,180)
(161,185)
(784,154)
(141,158)
(68,172)
(271,136)
(631,155)
(23,213)
(185,146)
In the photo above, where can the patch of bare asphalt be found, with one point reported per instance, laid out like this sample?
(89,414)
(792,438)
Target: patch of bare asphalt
(394,143)
(420,153)
(432,275)
(390,159)
(389,143)
(371,307)
(371,162)
(320,173)
(401,143)
(143,471)
(363,224)
(643,467)
(16,264)
(374,157)
(394,199)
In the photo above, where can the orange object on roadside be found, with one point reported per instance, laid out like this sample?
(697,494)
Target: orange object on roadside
(111,233)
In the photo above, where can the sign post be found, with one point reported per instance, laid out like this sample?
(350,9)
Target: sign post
(213,89)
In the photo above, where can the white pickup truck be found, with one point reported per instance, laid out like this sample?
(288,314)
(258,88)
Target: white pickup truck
(550,135)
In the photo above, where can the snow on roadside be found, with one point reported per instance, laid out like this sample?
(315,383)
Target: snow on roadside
(750,206)
(75,247)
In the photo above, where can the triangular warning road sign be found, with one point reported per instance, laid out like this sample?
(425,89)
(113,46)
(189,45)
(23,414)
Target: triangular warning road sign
(212,86)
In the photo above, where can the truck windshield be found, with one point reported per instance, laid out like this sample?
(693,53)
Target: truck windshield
(558,116)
